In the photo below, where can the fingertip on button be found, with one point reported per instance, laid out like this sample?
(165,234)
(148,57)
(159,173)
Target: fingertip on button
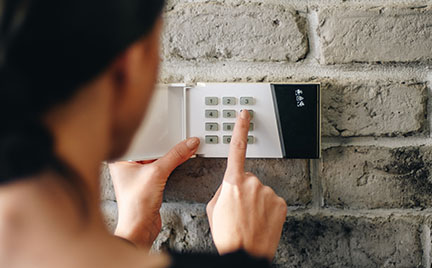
(245,114)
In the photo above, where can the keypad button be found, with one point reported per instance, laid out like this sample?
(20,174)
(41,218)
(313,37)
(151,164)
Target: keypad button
(251,140)
(246,101)
(228,126)
(226,139)
(251,127)
(211,101)
(211,113)
(212,139)
(252,114)
(229,113)
(211,127)
(229,100)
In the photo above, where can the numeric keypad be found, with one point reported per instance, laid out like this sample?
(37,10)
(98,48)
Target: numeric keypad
(226,111)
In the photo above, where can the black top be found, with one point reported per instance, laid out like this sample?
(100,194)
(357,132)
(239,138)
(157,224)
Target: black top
(234,260)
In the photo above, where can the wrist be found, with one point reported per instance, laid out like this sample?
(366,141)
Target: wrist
(137,236)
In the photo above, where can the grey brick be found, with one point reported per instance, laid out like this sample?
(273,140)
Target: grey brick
(247,32)
(107,188)
(185,229)
(198,179)
(399,33)
(336,240)
(427,239)
(373,108)
(370,177)
(310,238)
(110,213)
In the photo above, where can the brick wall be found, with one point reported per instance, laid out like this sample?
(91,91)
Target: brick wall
(367,202)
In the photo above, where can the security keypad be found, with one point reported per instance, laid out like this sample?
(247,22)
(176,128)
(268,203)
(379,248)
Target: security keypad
(285,120)
(229,115)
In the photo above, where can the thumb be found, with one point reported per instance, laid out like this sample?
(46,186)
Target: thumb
(178,155)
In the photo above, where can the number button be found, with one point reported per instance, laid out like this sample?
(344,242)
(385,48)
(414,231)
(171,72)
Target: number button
(228,126)
(212,139)
(229,101)
(211,127)
(211,113)
(251,140)
(226,139)
(246,101)
(211,101)
(251,127)
(229,114)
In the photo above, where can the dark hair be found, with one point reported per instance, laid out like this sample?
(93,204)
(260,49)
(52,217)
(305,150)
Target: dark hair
(48,49)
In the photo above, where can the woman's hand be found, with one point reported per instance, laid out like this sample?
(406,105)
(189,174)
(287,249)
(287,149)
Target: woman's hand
(139,191)
(245,214)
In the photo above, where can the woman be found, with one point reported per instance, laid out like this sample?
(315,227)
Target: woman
(76,77)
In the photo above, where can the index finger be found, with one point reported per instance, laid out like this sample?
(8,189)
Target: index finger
(238,144)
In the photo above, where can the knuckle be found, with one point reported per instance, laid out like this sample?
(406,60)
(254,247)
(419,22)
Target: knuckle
(282,204)
(243,123)
(179,152)
(268,190)
(239,143)
(209,207)
(250,174)
(253,182)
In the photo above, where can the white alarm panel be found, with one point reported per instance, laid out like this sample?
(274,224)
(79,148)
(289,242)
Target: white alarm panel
(163,126)
(209,111)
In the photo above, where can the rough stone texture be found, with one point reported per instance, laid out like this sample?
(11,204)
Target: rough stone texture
(370,177)
(247,32)
(376,34)
(185,229)
(427,239)
(328,240)
(110,212)
(309,239)
(373,108)
(107,188)
(198,179)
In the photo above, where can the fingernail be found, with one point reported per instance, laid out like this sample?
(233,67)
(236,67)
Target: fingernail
(192,143)
(245,114)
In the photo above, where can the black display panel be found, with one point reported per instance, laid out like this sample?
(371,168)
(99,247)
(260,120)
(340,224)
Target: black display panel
(298,111)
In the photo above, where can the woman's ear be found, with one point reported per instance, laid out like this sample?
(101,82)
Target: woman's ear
(138,66)
(133,74)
